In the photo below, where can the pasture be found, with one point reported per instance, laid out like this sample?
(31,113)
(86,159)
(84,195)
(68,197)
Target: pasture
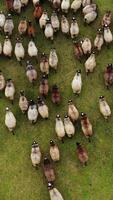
(18,179)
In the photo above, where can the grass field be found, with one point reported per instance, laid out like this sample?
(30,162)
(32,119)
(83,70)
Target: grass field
(18,179)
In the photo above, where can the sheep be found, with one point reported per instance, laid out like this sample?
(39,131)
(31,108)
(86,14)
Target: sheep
(86,2)
(54,193)
(107,18)
(2,81)
(22,27)
(99,40)
(7,47)
(19,51)
(49,33)
(90,63)
(108,75)
(69,127)
(2,20)
(77,83)
(78,51)
(65,5)
(10,120)
(9,5)
(72,111)
(0,48)
(44,64)
(55,21)
(35,2)
(108,36)
(90,17)
(37,12)
(32,49)
(104,107)
(35,154)
(53,59)
(54,151)
(86,46)
(48,170)
(43,109)
(59,128)
(44,86)
(17,6)
(31,73)
(86,126)
(10,90)
(56,4)
(9,25)
(24,3)
(64,25)
(76,4)
(32,112)
(56,96)
(89,8)
(43,19)
(82,154)
(74,29)
(23,102)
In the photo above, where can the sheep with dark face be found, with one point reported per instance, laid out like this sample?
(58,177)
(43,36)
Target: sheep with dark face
(31,73)
(43,109)
(23,102)
(19,50)
(59,128)
(44,85)
(32,49)
(35,154)
(54,193)
(72,111)
(9,25)
(7,47)
(74,29)
(108,36)
(104,107)
(108,75)
(82,154)
(32,112)
(10,120)
(10,90)
(77,83)
(99,40)
(54,151)
(107,18)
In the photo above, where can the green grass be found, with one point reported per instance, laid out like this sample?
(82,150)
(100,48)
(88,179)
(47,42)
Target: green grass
(18,179)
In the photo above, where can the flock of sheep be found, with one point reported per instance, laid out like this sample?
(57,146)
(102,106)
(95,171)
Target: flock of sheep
(81,48)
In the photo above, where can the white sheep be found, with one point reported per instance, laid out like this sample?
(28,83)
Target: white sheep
(43,109)
(54,193)
(86,46)
(49,30)
(59,128)
(77,83)
(32,49)
(17,6)
(90,63)
(54,151)
(90,17)
(89,8)
(76,4)
(2,20)
(55,21)
(32,112)
(64,25)
(104,107)
(31,73)
(74,29)
(2,81)
(10,120)
(9,25)
(69,127)
(99,40)
(35,2)
(19,51)
(53,59)
(23,102)
(86,2)
(72,111)
(24,2)
(10,90)
(7,47)
(35,154)
(65,5)
(0,48)
(43,19)
(108,36)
